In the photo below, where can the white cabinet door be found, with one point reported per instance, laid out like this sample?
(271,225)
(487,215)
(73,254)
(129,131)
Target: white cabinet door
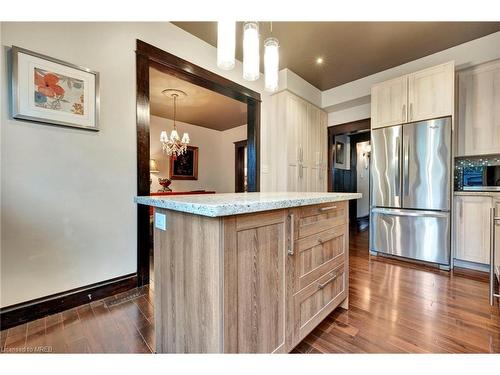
(472,231)
(431,92)
(297,143)
(479,110)
(388,102)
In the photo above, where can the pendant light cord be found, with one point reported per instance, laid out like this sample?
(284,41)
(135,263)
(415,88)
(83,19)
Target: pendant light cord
(175,107)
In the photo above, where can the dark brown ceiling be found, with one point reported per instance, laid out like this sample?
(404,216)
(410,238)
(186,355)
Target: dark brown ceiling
(352,50)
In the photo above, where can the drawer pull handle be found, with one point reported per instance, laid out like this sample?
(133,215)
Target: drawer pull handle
(291,235)
(321,286)
(323,209)
(320,241)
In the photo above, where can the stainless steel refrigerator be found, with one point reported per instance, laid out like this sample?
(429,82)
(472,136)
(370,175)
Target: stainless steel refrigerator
(411,191)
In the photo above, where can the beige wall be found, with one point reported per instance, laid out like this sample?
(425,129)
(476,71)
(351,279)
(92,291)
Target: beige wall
(215,151)
(68,216)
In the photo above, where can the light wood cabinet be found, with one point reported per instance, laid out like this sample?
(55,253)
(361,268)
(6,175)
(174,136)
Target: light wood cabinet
(478,116)
(472,228)
(255,257)
(431,92)
(389,102)
(250,283)
(422,95)
(305,129)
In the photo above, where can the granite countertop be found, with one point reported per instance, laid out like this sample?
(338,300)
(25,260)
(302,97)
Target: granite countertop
(495,194)
(215,205)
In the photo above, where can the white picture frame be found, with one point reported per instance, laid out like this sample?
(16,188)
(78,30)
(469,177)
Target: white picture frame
(50,91)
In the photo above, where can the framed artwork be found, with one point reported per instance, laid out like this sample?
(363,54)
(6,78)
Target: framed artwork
(53,92)
(339,152)
(342,152)
(185,166)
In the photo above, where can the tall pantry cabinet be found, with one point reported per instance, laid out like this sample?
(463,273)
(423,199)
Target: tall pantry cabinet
(300,144)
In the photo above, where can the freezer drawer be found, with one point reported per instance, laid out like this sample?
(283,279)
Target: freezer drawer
(421,235)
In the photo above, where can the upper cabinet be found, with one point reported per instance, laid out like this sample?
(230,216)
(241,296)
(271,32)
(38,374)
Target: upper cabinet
(389,102)
(422,95)
(479,110)
(431,92)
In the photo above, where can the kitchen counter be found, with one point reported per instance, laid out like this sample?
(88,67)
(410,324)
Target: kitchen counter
(494,194)
(216,205)
(247,272)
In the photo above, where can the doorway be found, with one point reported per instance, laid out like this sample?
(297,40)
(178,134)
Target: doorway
(150,57)
(240,167)
(349,167)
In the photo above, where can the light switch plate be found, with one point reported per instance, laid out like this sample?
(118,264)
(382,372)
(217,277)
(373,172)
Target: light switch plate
(160,221)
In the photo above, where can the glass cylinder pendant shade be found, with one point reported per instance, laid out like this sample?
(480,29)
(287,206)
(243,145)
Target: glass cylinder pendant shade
(251,57)
(226,42)
(271,64)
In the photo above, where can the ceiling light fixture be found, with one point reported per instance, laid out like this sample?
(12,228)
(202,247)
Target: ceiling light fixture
(319,60)
(271,62)
(226,42)
(174,145)
(251,56)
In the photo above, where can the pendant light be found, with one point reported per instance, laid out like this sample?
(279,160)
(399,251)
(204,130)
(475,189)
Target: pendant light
(271,64)
(251,57)
(226,42)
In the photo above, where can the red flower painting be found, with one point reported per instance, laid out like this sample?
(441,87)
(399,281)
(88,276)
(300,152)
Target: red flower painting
(48,85)
(50,94)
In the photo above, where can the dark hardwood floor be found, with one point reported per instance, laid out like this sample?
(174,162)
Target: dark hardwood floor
(395,307)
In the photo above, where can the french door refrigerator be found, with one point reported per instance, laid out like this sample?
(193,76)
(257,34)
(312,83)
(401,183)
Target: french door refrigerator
(410,191)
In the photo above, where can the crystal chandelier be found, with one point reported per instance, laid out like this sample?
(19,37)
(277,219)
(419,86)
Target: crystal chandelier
(174,145)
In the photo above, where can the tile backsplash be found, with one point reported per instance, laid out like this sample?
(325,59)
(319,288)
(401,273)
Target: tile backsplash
(464,163)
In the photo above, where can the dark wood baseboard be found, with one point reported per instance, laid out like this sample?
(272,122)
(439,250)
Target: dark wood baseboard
(14,315)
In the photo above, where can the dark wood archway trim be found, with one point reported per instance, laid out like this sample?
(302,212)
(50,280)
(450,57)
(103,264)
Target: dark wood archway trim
(150,56)
(347,128)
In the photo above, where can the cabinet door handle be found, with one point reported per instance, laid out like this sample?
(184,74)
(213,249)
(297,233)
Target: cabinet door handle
(493,219)
(411,111)
(334,276)
(291,235)
(404,113)
(323,209)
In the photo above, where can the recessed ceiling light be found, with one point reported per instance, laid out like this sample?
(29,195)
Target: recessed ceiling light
(319,60)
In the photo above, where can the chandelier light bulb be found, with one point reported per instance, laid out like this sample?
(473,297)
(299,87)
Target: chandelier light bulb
(226,43)
(251,57)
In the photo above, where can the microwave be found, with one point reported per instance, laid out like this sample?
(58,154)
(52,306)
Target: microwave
(482,178)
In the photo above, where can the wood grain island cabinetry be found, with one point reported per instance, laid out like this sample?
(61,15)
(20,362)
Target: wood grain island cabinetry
(254,277)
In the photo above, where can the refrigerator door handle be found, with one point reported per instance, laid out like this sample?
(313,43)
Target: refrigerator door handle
(406,165)
(398,169)
(395,212)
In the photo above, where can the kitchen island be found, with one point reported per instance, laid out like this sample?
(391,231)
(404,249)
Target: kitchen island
(247,272)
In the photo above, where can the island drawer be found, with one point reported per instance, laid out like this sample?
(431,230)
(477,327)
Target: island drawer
(317,218)
(319,254)
(313,303)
